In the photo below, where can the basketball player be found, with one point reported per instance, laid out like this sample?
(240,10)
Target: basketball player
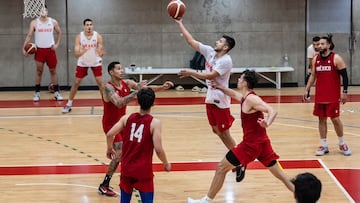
(43,27)
(116,96)
(141,135)
(327,67)
(312,51)
(218,67)
(89,51)
(256,143)
(307,188)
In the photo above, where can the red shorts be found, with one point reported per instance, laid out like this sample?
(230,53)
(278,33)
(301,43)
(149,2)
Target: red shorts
(118,137)
(129,183)
(46,55)
(331,110)
(248,152)
(81,72)
(221,118)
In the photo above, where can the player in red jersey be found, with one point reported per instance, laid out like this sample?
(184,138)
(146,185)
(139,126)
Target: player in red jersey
(141,134)
(115,98)
(326,70)
(255,144)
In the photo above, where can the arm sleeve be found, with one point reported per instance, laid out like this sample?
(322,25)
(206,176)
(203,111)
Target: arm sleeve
(345,80)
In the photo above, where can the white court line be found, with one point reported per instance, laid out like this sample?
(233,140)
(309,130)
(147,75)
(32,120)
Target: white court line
(57,184)
(347,195)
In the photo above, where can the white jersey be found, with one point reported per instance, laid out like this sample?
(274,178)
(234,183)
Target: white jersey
(90,58)
(44,33)
(223,66)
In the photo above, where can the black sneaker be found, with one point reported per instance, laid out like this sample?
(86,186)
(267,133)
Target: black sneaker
(240,173)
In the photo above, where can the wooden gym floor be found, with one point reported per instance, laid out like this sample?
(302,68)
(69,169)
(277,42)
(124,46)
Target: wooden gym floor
(47,156)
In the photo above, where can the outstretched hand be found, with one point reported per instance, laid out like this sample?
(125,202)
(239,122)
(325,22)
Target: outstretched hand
(168,85)
(185,73)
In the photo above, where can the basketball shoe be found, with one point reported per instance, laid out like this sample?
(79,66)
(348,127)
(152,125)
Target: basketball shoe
(36,97)
(106,190)
(322,151)
(203,200)
(240,173)
(345,149)
(58,96)
(66,109)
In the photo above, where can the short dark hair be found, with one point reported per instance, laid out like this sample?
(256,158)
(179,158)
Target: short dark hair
(250,77)
(87,20)
(307,188)
(316,39)
(111,66)
(229,41)
(146,98)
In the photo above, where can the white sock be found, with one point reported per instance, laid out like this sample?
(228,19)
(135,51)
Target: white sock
(341,140)
(69,103)
(323,142)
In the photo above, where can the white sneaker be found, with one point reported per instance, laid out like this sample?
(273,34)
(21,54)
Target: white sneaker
(36,97)
(322,151)
(203,200)
(345,149)
(58,96)
(203,90)
(196,89)
(66,109)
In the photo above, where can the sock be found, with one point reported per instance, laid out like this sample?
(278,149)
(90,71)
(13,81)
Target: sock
(106,181)
(341,140)
(69,103)
(37,88)
(323,142)
(56,88)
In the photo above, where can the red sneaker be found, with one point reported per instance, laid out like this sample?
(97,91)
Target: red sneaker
(106,190)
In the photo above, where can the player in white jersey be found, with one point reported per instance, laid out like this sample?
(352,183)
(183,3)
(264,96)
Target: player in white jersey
(311,52)
(44,27)
(218,67)
(89,51)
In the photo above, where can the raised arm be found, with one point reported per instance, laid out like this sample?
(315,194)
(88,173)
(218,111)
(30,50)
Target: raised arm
(188,37)
(160,152)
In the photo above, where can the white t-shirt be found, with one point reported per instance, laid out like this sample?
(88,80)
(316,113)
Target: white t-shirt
(223,66)
(311,53)
(90,58)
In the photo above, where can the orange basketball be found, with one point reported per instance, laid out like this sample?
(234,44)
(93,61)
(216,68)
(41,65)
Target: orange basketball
(30,48)
(176,9)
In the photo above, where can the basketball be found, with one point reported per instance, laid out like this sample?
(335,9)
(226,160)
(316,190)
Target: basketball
(30,48)
(51,88)
(176,9)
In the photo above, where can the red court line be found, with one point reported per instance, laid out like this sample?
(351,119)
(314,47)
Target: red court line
(158,101)
(193,166)
(350,179)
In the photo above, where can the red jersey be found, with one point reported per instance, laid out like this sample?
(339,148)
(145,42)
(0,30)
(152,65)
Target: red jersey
(252,131)
(138,147)
(112,113)
(327,80)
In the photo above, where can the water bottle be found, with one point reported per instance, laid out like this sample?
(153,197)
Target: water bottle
(286,60)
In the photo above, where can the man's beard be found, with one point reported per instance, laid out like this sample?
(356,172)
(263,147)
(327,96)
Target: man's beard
(323,51)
